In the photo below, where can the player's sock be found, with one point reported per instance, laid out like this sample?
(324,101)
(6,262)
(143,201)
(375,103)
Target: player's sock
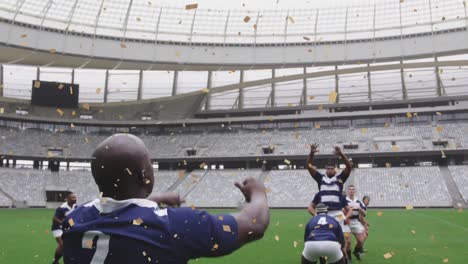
(57,258)
(323,260)
(350,257)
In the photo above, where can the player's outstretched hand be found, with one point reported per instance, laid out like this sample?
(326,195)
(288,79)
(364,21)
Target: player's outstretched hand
(314,148)
(249,187)
(337,150)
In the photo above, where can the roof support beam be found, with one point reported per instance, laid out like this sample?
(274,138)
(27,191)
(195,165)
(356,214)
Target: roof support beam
(240,103)
(106,86)
(209,84)
(273,89)
(403,83)
(304,89)
(1,80)
(337,88)
(175,83)
(140,85)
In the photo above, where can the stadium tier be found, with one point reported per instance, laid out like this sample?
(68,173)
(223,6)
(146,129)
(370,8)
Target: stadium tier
(387,187)
(75,144)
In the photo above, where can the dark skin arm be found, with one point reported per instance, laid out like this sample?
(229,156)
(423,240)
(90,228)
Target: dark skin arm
(55,219)
(311,209)
(348,213)
(349,166)
(170,199)
(310,159)
(253,220)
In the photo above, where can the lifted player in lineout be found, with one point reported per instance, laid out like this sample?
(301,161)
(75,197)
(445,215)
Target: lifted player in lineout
(331,184)
(60,214)
(124,227)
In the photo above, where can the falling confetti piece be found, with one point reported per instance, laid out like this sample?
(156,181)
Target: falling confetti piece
(220,218)
(306,38)
(61,86)
(409,207)
(311,97)
(89,244)
(246,19)
(52,51)
(320,108)
(191,6)
(409,115)
(71,90)
(291,20)
(86,106)
(86,139)
(202,165)
(137,221)
(364,130)
(193,207)
(317,125)
(215,246)
(388,255)
(129,171)
(333,96)
(71,222)
(226,228)
(2,110)
(379,213)
(59,111)
(395,148)
(205,90)
(386,125)
(37,84)
(295,244)
(438,113)
(388,165)
(277,238)
(98,90)
(24,35)
(72,125)
(254,220)
(445,260)
(123,45)
(439,129)
(287,161)
(413,232)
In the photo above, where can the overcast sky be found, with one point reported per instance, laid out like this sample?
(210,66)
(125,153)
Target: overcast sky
(264,4)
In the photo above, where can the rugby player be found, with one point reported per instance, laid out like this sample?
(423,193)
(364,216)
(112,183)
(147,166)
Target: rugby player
(60,213)
(124,227)
(355,226)
(323,238)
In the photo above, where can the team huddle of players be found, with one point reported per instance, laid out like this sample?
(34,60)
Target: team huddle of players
(337,214)
(127,225)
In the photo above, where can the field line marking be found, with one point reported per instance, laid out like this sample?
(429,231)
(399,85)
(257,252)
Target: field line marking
(443,221)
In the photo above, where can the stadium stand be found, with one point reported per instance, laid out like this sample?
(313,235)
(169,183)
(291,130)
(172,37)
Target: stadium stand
(35,142)
(415,186)
(460,176)
(388,187)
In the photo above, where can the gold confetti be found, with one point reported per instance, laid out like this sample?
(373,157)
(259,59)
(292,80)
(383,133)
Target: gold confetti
(61,86)
(2,110)
(277,238)
(317,125)
(98,90)
(388,255)
(395,148)
(388,165)
(386,125)
(59,111)
(438,113)
(73,113)
(364,130)
(86,139)
(52,51)
(254,220)
(123,45)
(215,246)
(24,35)
(138,19)
(320,107)
(267,190)
(86,106)
(137,221)
(71,90)
(178,54)
(181,174)
(202,165)
(89,244)
(191,6)
(220,218)
(129,171)
(409,115)
(413,232)
(333,96)
(439,129)
(310,51)
(287,161)
(311,97)
(37,84)
(409,207)
(246,19)
(445,260)
(72,125)
(71,222)
(295,244)
(205,90)
(226,228)
(193,207)
(379,213)
(291,19)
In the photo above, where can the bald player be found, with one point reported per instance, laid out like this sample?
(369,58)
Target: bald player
(124,227)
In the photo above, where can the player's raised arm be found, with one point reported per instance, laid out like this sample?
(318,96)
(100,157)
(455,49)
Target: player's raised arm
(170,199)
(253,220)
(310,166)
(349,166)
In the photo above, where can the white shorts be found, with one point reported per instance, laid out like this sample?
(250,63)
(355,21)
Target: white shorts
(57,233)
(356,227)
(316,249)
(340,217)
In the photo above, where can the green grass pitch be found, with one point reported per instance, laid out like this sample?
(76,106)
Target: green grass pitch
(420,236)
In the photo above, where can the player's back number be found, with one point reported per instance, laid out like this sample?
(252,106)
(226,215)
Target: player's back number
(101,245)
